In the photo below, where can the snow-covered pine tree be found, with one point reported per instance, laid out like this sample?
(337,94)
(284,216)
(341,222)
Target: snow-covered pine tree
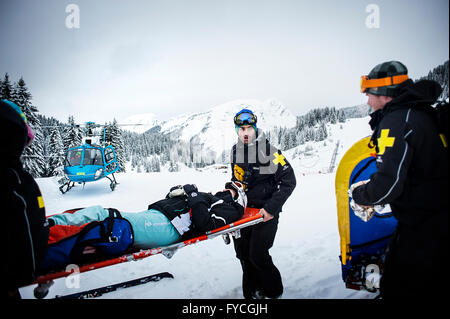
(56,154)
(71,136)
(341,116)
(156,166)
(321,132)
(117,142)
(33,156)
(6,89)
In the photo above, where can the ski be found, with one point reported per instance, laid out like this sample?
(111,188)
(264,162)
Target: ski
(94,293)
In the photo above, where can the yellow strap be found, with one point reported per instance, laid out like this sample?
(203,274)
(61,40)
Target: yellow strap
(40,202)
(444,140)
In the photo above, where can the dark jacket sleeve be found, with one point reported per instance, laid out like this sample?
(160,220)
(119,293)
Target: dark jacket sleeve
(20,266)
(394,155)
(209,212)
(201,218)
(285,183)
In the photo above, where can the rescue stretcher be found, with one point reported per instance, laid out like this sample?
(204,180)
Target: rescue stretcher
(250,217)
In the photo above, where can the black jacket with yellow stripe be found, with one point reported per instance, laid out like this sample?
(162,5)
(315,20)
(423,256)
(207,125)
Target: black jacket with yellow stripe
(267,175)
(412,159)
(23,212)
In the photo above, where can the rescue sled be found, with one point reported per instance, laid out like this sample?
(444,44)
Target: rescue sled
(362,244)
(251,217)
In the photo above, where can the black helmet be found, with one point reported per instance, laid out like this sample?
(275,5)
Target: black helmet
(384,79)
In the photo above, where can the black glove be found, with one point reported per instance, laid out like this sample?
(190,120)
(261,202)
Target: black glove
(190,190)
(194,197)
(175,191)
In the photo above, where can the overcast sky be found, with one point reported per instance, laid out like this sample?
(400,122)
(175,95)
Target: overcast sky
(173,57)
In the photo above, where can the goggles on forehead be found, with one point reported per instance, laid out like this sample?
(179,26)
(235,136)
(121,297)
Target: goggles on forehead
(367,83)
(245,119)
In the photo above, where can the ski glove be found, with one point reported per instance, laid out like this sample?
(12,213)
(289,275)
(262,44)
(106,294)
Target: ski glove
(190,190)
(365,213)
(176,191)
(240,197)
(193,196)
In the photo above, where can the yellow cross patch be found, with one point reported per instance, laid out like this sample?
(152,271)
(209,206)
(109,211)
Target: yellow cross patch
(279,158)
(385,141)
(238,173)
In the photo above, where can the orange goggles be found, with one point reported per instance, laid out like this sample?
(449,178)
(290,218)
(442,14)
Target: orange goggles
(367,83)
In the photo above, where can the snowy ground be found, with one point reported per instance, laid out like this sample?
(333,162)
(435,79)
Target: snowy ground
(306,249)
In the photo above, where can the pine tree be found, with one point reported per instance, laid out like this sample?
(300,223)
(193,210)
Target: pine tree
(156,166)
(116,141)
(33,156)
(56,154)
(6,89)
(71,134)
(341,116)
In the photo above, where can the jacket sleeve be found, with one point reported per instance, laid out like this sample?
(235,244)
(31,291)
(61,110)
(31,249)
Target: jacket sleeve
(21,263)
(285,183)
(200,215)
(394,154)
(210,212)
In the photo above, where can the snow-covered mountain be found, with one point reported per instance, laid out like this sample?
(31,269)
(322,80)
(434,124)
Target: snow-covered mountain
(214,129)
(145,122)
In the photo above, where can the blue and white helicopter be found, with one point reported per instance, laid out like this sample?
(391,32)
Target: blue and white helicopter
(90,162)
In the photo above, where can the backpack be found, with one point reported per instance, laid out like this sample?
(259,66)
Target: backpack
(97,240)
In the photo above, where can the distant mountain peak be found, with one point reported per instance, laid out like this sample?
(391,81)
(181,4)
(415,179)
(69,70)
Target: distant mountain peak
(213,129)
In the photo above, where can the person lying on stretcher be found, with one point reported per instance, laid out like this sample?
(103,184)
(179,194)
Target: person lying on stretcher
(183,214)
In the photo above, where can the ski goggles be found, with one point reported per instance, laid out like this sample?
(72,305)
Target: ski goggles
(245,119)
(367,83)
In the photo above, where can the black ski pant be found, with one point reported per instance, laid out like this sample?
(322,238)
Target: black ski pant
(252,249)
(416,261)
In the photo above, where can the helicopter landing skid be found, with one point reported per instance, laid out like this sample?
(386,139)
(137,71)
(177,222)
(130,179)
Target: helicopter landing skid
(68,185)
(113,182)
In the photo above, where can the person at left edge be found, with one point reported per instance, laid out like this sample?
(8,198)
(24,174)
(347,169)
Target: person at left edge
(23,209)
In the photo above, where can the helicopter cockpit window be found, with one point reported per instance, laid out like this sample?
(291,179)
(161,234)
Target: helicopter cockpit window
(92,157)
(74,157)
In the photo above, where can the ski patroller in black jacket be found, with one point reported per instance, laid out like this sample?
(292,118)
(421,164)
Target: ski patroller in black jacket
(267,174)
(23,211)
(412,161)
(194,215)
